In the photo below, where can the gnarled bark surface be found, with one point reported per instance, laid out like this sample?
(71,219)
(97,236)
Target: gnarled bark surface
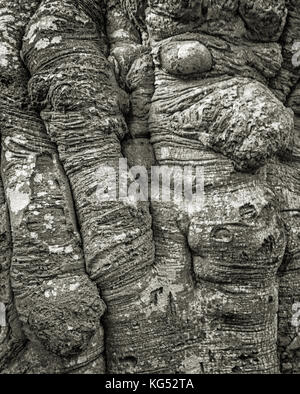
(94,286)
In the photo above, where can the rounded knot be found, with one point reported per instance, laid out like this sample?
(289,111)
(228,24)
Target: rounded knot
(185,57)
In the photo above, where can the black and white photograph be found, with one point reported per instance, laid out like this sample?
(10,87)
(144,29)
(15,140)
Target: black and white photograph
(149,190)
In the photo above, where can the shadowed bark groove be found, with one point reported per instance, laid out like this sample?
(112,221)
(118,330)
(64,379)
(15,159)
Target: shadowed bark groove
(211,288)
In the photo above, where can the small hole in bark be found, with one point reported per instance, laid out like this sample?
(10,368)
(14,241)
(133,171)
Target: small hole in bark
(3,237)
(129,361)
(221,234)
(154,295)
(268,244)
(204,8)
(244,256)
(271,299)
(172,305)
(248,212)
(44,163)
(91,190)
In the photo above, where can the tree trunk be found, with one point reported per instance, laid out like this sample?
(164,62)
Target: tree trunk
(151,285)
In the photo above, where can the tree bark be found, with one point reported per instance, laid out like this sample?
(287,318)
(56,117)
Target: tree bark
(89,285)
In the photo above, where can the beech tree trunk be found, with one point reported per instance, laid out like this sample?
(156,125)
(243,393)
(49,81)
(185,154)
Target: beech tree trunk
(94,286)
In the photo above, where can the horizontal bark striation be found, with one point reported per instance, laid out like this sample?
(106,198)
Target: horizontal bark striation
(82,113)
(261,20)
(238,117)
(217,299)
(189,288)
(285,179)
(47,271)
(220,261)
(11,336)
(286,79)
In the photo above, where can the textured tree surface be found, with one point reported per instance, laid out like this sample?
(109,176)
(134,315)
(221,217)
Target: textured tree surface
(94,286)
